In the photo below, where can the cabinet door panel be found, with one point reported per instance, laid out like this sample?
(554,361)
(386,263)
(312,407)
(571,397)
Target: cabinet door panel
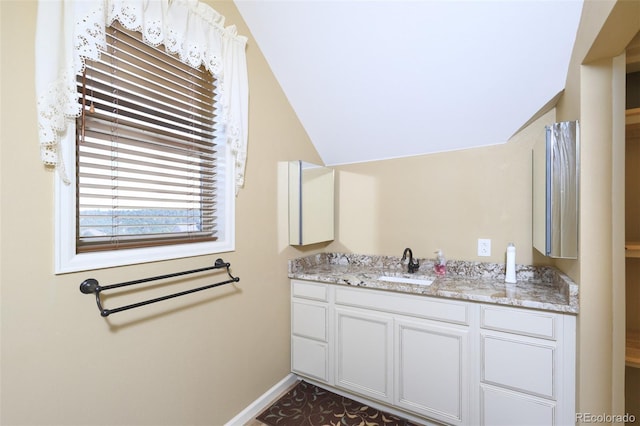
(504,408)
(364,353)
(431,370)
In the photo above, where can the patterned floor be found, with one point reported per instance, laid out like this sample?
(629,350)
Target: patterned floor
(309,405)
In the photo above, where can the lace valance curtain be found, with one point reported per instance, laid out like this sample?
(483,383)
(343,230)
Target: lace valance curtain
(70,31)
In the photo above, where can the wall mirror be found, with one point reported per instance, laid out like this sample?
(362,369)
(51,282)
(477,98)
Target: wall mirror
(555,191)
(311,202)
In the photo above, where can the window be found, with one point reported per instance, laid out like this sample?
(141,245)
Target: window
(151,182)
(150,169)
(145,148)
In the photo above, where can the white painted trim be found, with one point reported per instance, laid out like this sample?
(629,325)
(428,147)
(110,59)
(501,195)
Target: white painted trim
(263,401)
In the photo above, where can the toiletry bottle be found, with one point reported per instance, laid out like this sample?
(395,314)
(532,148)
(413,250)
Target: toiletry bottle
(510,274)
(440,265)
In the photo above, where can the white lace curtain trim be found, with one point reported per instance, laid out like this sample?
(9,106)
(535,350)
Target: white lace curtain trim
(70,31)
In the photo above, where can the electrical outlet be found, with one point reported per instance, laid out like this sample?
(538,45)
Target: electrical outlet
(484,247)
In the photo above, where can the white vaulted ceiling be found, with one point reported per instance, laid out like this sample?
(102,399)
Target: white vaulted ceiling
(382,79)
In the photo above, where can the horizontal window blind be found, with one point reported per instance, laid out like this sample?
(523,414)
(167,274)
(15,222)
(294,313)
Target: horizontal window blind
(146,157)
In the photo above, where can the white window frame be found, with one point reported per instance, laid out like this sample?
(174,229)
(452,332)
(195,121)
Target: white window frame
(66,258)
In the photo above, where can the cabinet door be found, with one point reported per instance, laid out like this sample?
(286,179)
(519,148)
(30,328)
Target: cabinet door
(364,353)
(432,370)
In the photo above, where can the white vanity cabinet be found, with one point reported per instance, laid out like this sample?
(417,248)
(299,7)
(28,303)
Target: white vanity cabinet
(449,361)
(527,367)
(310,330)
(411,351)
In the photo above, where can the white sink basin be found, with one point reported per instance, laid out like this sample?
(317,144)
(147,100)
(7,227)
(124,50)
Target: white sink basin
(419,281)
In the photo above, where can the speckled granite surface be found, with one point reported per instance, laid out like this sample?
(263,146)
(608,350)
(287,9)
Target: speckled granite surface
(537,287)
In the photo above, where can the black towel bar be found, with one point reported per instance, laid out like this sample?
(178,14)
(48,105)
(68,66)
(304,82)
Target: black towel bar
(91,285)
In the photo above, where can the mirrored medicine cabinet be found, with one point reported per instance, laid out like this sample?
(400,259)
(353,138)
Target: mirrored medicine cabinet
(311,203)
(555,191)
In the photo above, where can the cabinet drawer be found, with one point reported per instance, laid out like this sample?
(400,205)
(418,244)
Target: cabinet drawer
(520,321)
(309,319)
(412,305)
(310,358)
(309,290)
(523,365)
(500,407)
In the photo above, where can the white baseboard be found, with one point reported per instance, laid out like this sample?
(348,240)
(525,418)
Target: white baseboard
(263,401)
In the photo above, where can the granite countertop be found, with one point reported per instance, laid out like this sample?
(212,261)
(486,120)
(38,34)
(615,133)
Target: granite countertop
(537,287)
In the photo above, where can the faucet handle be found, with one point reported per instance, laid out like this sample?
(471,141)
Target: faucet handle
(413,266)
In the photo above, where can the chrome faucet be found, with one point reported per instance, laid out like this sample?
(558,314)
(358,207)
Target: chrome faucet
(412,266)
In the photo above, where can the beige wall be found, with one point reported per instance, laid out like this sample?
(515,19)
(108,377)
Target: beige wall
(443,201)
(198,359)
